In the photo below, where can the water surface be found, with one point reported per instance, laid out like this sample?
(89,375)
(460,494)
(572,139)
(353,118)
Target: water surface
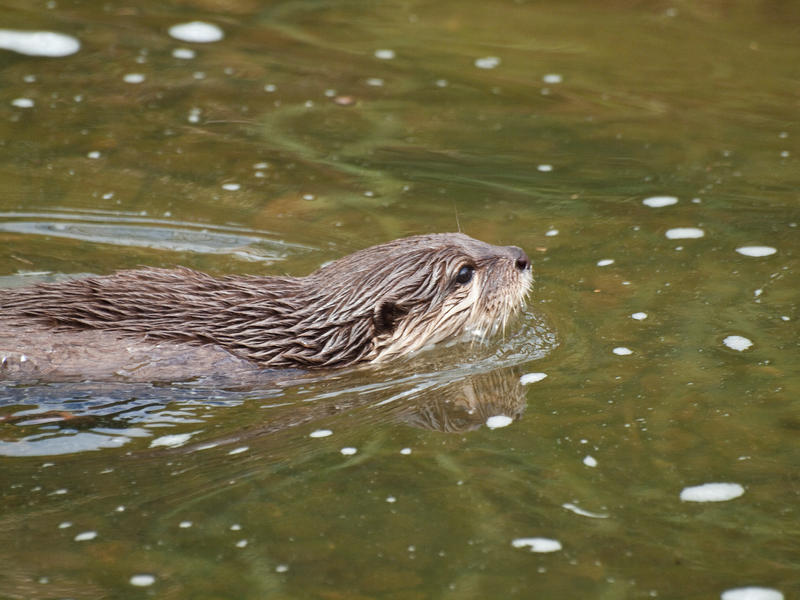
(310,130)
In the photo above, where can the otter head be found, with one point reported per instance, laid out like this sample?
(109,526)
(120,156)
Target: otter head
(417,291)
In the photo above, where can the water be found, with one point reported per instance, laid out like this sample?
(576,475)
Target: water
(644,155)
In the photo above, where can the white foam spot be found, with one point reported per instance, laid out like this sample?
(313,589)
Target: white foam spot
(236,527)
(238,450)
(537,544)
(270,87)
(751,593)
(684,233)
(38,43)
(281,568)
(590,461)
(231,187)
(551,232)
(171,441)
(605,262)
(737,342)
(582,512)
(241,544)
(184,53)
(196,31)
(391,499)
(487,62)
(375,81)
(622,351)
(85,536)
(712,492)
(385,54)
(498,421)
(185,524)
(552,78)
(756,251)
(660,201)
(544,168)
(22,102)
(639,316)
(531,378)
(65,525)
(320,433)
(142,580)
(348,451)
(93,154)
(133,77)
(405,451)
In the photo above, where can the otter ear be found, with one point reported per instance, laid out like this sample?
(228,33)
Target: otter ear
(386,316)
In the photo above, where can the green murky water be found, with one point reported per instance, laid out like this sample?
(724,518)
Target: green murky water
(299,138)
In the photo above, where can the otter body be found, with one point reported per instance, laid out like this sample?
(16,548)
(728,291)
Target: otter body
(370,306)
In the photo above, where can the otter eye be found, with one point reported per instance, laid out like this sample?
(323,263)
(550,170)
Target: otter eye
(465,274)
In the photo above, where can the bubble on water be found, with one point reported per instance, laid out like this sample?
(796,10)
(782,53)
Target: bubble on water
(241,544)
(142,580)
(583,512)
(531,378)
(171,441)
(405,451)
(590,461)
(622,351)
(231,187)
(639,316)
(184,53)
(85,536)
(712,492)
(498,421)
(551,232)
(93,154)
(348,451)
(659,201)
(605,262)
(391,499)
(544,168)
(487,62)
(684,233)
(133,78)
(537,544)
(270,87)
(552,78)
(385,54)
(22,102)
(320,433)
(737,342)
(751,593)
(196,31)
(281,568)
(65,525)
(38,43)
(756,251)
(375,81)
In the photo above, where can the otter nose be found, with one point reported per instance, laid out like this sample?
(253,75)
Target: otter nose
(521,260)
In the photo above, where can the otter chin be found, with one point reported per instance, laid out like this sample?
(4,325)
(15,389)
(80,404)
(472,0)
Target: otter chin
(370,306)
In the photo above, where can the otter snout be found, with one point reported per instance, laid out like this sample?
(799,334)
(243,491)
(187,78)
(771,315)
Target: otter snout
(521,260)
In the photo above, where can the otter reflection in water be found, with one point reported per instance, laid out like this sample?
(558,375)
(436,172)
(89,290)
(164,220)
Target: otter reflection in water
(159,324)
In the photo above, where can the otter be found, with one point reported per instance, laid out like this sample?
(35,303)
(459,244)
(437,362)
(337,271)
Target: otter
(368,307)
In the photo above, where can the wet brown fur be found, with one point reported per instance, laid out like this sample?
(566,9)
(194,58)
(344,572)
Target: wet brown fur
(372,305)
